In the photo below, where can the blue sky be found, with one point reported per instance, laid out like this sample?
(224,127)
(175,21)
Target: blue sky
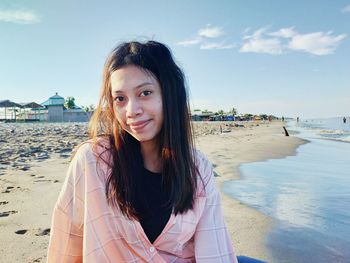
(288,58)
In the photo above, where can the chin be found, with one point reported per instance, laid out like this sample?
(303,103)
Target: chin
(141,138)
(145,139)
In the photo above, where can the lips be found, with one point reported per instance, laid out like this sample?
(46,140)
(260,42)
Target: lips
(138,125)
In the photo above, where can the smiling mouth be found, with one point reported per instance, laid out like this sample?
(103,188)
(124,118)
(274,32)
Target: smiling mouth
(138,125)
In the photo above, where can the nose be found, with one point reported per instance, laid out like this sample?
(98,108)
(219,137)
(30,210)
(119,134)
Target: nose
(133,108)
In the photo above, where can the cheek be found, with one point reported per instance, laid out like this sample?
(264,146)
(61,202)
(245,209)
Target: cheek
(159,106)
(160,112)
(119,116)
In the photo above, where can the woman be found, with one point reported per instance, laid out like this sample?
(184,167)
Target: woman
(138,191)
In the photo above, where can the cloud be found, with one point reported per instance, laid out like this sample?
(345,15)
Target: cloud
(210,31)
(284,32)
(317,43)
(190,42)
(203,35)
(288,39)
(257,34)
(266,41)
(269,46)
(18,17)
(346,9)
(256,43)
(216,46)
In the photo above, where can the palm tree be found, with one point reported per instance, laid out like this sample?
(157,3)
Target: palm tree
(234,111)
(69,103)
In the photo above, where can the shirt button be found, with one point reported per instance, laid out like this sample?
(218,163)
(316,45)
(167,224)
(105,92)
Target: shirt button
(151,249)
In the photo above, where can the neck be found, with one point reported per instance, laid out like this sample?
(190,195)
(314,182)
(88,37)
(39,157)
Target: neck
(151,156)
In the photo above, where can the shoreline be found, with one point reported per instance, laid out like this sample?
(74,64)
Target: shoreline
(247,226)
(35,170)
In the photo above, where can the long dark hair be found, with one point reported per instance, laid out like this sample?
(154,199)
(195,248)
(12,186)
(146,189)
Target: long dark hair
(175,138)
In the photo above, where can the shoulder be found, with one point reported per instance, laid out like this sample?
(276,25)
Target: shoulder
(91,161)
(91,150)
(205,174)
(201,161)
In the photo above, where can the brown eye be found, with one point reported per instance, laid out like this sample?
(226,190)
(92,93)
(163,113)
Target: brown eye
(145,93)
(119,99)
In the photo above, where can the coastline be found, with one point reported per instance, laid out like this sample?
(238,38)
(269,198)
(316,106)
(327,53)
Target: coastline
(29,190)
(247,226)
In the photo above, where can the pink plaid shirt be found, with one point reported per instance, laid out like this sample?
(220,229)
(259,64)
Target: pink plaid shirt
(86,229)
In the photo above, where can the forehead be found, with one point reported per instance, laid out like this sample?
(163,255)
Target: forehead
(131,77)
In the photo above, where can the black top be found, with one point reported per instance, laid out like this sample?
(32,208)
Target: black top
(150,203)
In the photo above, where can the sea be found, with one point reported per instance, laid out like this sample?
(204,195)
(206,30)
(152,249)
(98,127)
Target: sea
(308,194)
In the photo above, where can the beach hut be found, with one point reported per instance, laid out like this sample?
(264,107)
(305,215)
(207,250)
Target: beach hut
(9,104)
(55,106)
(201,115)
(31,111)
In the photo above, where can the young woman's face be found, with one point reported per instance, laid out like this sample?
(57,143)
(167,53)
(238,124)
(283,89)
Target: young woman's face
(137,102)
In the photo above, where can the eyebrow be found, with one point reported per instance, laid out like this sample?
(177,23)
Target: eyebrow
(137,87)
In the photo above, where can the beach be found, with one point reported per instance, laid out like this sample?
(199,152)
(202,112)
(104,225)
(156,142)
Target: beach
(35,157)
(227,151)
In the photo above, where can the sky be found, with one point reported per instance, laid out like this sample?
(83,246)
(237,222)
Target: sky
(286,58)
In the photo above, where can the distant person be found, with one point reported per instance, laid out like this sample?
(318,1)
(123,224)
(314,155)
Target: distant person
(297,119)
(344,120)
(139,191)
(282,118)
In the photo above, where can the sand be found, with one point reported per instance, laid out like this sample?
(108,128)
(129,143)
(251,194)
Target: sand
(29,187)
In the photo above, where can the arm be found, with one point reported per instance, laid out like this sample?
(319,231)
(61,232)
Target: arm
(212,242)
(66,237)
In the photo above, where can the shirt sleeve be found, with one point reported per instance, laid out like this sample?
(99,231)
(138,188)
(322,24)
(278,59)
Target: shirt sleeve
(212,242)
(66,235)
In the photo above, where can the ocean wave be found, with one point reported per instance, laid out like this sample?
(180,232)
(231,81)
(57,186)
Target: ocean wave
(345,139)
(336,132)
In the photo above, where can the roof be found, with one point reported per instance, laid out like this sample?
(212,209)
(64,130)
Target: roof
(202,113)
(31,105)
(55,100)
(8,103)
(56,96)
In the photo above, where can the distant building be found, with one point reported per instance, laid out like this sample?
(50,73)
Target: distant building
(198,115)
(57,112)
(55,108)
(8,110)
(51,110)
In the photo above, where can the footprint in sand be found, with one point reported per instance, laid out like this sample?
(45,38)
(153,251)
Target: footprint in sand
(42,181)
(21,232)
(7,190)
(35,260)
(7,213)
(45,180)
(4,203)
(43,232)
(37,232)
